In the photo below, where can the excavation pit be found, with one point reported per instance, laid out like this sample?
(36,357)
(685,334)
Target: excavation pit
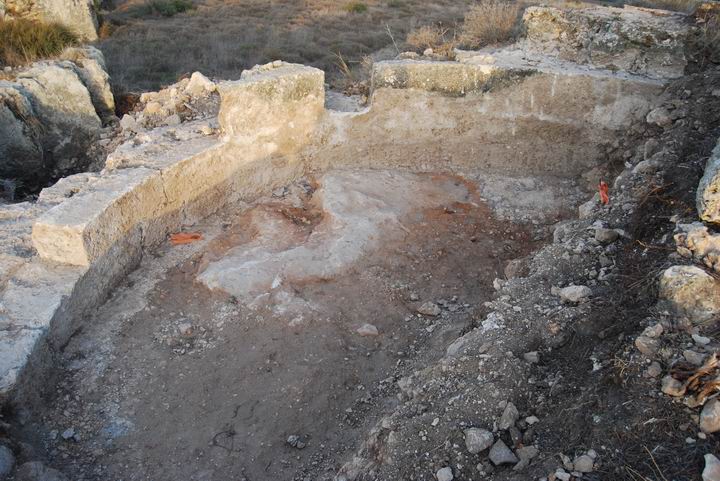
(213,354)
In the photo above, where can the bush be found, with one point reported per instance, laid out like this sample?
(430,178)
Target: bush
(490,22)
(24,41)
(356,7)
(426,37)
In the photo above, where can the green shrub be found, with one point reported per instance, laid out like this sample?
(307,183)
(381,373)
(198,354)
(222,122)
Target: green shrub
(356,7)
(23,41)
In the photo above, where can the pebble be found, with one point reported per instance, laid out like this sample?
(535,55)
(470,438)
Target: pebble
(647,346)
(701,340)
(509,416)
(532,357)
(7,461)
(367,330)
(562,475)
(527,452)
(185,329)
(429,309)
(712,468)
(445,474)
(478,440)
(660,117)
(606,236)
(532,420)
(672,387)
(654,369)
(501,454)
(694,357)
(575,294)
(710,416)
(295,441)
(69,433)
(583,464)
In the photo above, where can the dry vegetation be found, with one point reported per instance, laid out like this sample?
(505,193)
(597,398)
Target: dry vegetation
(23,41)
(685,6)
(223,37)
(490,22)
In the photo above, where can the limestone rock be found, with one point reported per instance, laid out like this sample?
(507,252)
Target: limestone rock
(696,241)
(712,468)
(509,416)
(672,387)
(21,153)
(606,236)
(708,193)
(199,85)
(583,464)
(37,471)
(692,292)
(501,454)
(444,474)
(574,294)
(367,330)
(78,15)
(478,440)
(660,117)
(91,68)
(63,105)
(648,346)
(710,416)
(429,309)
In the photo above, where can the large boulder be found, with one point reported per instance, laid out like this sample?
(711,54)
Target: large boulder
(696,241)
(692,293)
(90,67)
(708,192)
(78,15)
(65,109)
(21,153)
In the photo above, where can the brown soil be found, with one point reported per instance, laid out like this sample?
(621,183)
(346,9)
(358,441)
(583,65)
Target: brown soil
(150,397)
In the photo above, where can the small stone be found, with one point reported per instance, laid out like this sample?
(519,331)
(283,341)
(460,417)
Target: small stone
(583,464)
(7,461)
(701,340)
(478,440)
(185,329)
(69,433)
(367,330)
(414,297)
(562,475)
(693,357)
(692,292)
(660,117)
(654,369)
(672,386)
(710,416)
(574,294)
(428,52)
(444,474)
(206,130)
(606,236)
(533,357)
(532,420)
(653,331)
(509,416)
(128,122)
(527,452)
(712,468)
(501,454)
(647,346)
(296,441)
(429,309)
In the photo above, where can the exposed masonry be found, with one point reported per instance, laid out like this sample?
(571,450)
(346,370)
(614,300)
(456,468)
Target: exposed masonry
(529,107)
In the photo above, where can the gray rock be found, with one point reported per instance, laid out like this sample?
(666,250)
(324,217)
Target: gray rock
(445,474)
(429,309)
(606,236)
(712,468)
(694,357)
(574,294)
(21,152)
(91,69)
(710,416)
(501,454)
(647,346)
(527,452)
(533,357)
(660,117)
(37,471)
(7,461)
(654,369)
(583,464)
(509,416)
(478,440)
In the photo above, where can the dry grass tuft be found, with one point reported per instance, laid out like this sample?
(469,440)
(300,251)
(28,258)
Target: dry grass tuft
(164,8)
(356,7)
(24,41)
(490,22)
(685,6)
(426,37)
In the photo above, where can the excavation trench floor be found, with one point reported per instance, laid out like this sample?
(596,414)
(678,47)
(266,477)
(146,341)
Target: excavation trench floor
(213,353)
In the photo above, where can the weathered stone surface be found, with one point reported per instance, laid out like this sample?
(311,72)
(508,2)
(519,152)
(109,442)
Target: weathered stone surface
(710,416)
(91,68)
(575,294)
(16,346)
(708,192)
(63,105)
(78,15)
(478,440)
(501,454)
(628,39)
(696,241)
(21,154)
(87,225)
(711,472)
(692,292)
